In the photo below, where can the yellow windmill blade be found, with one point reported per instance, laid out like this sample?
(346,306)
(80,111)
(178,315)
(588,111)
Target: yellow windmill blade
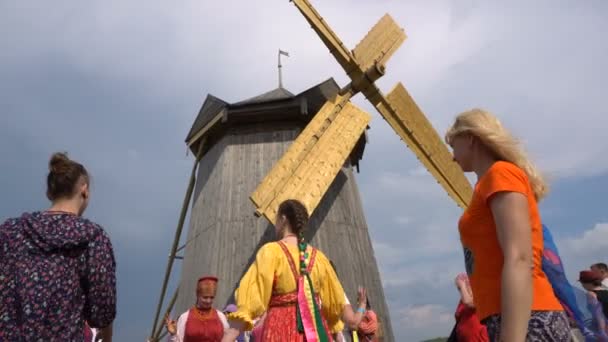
(366,64)
(406,118)
(308,179)
(379,44)
(297,151)
(331,40)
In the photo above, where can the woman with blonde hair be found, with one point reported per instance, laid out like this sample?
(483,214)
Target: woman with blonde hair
(501,233)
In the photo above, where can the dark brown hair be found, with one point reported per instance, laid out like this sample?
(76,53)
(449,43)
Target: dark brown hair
(593,282)
(601,266)
(296,213)
(63,176)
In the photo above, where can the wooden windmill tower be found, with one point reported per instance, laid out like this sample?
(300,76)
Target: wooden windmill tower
(278,146)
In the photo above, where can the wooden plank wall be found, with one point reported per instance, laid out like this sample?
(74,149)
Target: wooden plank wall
(224,234)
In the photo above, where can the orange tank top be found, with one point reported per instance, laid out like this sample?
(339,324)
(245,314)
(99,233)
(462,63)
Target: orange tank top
(483,255)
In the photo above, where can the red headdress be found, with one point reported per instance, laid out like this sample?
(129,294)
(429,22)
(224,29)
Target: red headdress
(207,285)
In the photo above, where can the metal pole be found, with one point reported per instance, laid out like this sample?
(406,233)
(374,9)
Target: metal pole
(169,308)
(162,335)
(280,72)
(281,52)
(177,236)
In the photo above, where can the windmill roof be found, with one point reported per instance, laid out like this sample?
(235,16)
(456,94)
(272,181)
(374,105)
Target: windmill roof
(210,108)
(273,104)
(273,95)
(277,105)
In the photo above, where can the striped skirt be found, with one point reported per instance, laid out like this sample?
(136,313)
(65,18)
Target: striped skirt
(280,324)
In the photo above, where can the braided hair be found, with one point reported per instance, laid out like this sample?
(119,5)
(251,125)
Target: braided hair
(297,215)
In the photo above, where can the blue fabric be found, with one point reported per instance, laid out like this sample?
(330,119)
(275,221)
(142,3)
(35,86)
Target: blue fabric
(575,301)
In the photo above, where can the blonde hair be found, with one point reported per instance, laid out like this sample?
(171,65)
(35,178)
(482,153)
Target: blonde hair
(487,128)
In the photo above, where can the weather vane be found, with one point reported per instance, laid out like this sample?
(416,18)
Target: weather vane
(284,53)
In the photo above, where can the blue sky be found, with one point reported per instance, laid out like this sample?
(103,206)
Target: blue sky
(118,84)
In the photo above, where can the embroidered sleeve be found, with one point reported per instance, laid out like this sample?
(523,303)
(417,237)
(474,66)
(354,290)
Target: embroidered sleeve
(255,288)
(331,293)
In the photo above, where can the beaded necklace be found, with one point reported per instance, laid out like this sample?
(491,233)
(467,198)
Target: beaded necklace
(203,315)
(304,259)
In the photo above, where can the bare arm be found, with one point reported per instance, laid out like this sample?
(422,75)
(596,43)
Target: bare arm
(464,288)
(234,330)
(511,214)
(352,318)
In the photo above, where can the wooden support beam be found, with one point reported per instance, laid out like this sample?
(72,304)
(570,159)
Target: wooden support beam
(178,233)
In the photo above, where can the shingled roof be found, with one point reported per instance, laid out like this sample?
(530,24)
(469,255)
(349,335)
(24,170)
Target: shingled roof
(273,95)
(210,108)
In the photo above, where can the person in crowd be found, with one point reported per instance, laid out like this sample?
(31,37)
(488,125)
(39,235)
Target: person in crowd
(245,335)
(592,282)
(468,327)
(57,268)
(258,328)
(501,233)
(293,283)
(602,269)
(351,317)
(202,323)
(592,316)
(368,329)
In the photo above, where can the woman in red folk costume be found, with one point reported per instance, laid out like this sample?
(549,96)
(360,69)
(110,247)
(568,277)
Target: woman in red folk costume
(202,323)
(368,328)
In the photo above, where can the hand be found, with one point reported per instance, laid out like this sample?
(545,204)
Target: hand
(230,335)
(466,293)
(171,325)
(104,334)
(462,280)
(362,297)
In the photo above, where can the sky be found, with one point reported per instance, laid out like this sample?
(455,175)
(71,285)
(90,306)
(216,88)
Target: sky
(118,84)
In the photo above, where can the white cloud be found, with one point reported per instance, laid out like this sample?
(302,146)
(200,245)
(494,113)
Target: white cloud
(582,249)
(425,321)
(591,242)
(477,51)
(456,56)
(425,316)
(419,184)
(387,254)
(402,220)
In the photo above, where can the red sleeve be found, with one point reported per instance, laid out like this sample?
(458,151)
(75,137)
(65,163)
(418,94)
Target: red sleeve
(501,177)
(460,310)
(469,328)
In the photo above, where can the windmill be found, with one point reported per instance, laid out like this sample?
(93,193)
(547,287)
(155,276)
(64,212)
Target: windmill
(364,65)
(274,146)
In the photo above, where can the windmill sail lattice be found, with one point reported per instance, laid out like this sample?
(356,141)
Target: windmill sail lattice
(364,65)
(313,160)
